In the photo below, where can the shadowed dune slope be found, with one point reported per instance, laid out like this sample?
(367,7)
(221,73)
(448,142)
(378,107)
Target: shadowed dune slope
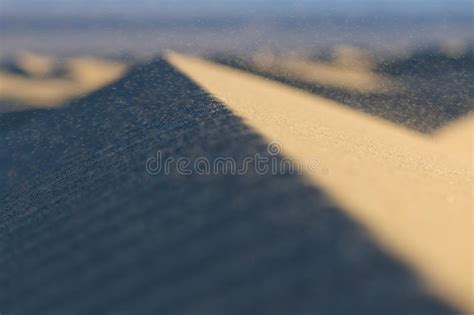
(84,229)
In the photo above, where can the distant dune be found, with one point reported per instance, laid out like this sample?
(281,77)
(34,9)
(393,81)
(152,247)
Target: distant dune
(350,69)
(44,82)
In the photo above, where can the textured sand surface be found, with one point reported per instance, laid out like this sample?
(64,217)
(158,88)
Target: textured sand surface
(84,229)
(413,196)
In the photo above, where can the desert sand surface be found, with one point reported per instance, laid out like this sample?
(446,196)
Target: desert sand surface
(457,138)
(84,226)
(415,199)
(37,84)
(296,157)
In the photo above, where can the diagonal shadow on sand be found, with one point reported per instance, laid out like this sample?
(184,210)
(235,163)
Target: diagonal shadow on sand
(84,228)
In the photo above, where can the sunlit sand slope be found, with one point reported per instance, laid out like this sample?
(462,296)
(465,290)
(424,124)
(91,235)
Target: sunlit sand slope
(457,138)
(414,197)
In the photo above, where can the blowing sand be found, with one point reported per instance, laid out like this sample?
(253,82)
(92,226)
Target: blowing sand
(413,196)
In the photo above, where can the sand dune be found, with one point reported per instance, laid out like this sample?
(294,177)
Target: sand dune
(350,70)
(36,65)
(87,228)
(413,196)
(41,89)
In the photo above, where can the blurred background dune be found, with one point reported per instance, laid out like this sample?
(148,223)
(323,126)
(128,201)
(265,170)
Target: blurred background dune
(144,29)
(39,81)
(350,69)
(366,54)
